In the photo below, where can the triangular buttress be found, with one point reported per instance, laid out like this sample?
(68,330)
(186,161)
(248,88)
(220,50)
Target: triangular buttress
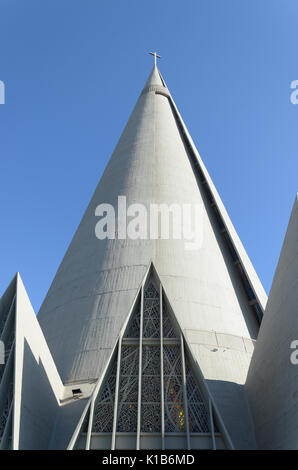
(7,342)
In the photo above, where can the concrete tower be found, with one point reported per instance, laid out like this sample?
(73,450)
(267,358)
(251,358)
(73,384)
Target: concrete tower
(210,296)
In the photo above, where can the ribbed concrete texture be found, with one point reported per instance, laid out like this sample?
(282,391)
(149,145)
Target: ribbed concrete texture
(88,302)
(272,382)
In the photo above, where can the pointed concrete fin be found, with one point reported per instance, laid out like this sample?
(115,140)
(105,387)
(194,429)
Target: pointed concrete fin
(173,397)
(28,367)
(6,300)
(7,337)
(272,376)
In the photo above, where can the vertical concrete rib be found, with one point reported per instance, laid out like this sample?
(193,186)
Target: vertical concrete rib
(185,392)
(162,393)
(211,423)
(140,371)
(116,401)
(90,423)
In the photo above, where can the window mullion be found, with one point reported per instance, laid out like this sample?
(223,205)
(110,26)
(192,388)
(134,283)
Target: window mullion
(211,424)
(90,424)
(161,373)
(115,417)
(185,392)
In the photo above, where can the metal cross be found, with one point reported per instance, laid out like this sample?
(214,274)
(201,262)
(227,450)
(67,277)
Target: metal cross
(155,55)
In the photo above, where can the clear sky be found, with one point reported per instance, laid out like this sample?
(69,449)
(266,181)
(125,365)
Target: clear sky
(73,70)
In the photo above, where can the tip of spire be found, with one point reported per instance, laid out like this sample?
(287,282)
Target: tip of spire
(154,77)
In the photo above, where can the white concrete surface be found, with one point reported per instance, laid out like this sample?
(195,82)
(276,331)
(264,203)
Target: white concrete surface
(37,385)
(272,382)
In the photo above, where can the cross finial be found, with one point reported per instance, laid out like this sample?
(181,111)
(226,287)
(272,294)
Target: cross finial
(155,55)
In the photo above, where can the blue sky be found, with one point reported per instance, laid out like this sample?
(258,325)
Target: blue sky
(73,70)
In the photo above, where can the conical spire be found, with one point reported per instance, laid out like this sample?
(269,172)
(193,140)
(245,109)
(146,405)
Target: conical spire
(214,290)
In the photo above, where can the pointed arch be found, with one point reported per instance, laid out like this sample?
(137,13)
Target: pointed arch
(152,393)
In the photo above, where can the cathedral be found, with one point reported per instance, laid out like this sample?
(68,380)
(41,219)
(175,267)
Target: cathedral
(141,343)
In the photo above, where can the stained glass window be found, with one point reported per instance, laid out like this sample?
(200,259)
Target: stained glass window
(175,403)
